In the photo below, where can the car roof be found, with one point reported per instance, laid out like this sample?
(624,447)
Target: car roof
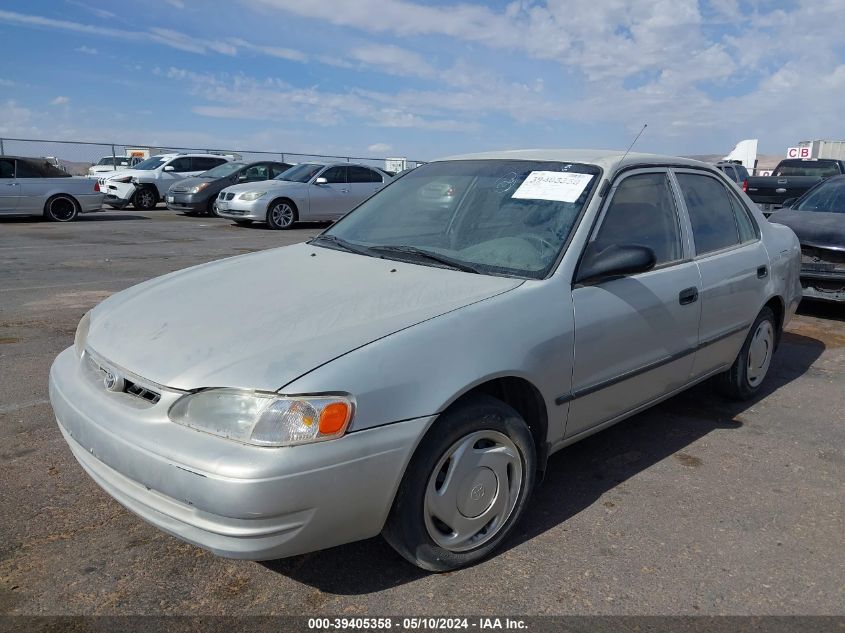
(609,160)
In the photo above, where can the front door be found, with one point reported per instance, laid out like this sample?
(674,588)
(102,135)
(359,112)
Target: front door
(330,200)
(635,336)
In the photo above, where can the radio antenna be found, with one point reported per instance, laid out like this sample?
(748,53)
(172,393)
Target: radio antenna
(645,125)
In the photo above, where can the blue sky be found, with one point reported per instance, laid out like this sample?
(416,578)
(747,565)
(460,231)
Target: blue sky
(423,79)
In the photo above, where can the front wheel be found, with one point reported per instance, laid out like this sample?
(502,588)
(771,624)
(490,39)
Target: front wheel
(465,487)
(61,208)
(144,199)
(281,214)
(745,377)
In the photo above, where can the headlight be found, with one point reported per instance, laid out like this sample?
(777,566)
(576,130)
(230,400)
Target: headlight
(264,419)
(81,336)
(252,195)
(198,188)
(122,179)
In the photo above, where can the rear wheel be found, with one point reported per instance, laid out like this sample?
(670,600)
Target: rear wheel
(745,377)
(465,487)
(144,199)
(281,214)
(61,208)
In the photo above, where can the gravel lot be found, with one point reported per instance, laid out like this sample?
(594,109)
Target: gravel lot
(698,506)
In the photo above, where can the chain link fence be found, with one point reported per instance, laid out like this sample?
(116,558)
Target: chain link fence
(76,157)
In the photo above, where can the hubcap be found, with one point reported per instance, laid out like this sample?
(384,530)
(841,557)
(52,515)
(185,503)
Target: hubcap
(146,199)
(760,353)
(62,209)
(473,490)
(282,214)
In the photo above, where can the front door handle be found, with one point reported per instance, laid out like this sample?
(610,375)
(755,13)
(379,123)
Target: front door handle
(688,295)
(762,272)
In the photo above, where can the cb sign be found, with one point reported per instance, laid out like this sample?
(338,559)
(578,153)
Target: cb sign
(798,152)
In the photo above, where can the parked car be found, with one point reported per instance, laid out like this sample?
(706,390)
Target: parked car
(410,373)
(790,179)
(33,186)
(735,171)
(146,184)
(197,195)
(308,191)
(818,219)
(107,165)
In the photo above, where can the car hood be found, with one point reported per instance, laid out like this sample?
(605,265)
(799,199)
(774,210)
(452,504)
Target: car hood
(263,185)
(260,321)
(134,173)
(826,230)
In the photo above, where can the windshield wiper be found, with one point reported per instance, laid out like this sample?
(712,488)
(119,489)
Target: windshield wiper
(429,255)
(343,244)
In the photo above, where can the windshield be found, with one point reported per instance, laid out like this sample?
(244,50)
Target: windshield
(112,161)
(149,164)
(221,171)
(807,168)
(300,173)
(828,197)
(509,217)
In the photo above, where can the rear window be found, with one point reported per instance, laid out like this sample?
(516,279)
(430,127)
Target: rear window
(818,168)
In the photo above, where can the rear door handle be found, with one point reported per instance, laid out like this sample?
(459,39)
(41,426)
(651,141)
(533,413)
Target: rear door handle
(762,272)
(688,295)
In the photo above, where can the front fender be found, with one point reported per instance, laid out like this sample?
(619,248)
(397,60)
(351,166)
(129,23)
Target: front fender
(526,332)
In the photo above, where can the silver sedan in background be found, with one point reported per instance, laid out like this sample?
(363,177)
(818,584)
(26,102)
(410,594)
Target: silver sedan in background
(306,192)
(410,370)
(33,186)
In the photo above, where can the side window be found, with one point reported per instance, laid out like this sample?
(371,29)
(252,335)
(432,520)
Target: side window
(28,170)
(335,175)
(203,163)
(257,172)
(277,169)
(362,174)
(7,168)
(746,225)
(181,164)
(714,225)
(642,211)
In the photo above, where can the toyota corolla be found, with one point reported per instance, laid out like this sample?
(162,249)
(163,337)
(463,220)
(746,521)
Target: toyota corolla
(411,370)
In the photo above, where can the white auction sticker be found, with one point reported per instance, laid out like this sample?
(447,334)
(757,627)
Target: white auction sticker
(553,185)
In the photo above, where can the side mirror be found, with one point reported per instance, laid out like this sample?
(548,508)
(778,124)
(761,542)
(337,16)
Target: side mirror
(168,168)
(787,204)
(616,260)
(321,181)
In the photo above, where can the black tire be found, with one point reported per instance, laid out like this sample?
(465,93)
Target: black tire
(746,376)
(209,208)
(279,219)
(145,198)
(411,524)
(61,208)
(243,222)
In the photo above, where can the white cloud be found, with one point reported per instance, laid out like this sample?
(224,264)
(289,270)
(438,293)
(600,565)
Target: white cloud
(61,100)
(271,51)
(380,148)
(393,60)
(87,50)
(16,119)
(6,82)
(176,3)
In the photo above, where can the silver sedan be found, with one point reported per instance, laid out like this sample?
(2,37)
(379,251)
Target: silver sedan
(307,192)
(32,186)
(411,370)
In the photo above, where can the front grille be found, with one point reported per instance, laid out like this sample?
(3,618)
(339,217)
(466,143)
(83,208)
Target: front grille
(131,385)
(134,389)
(229,196)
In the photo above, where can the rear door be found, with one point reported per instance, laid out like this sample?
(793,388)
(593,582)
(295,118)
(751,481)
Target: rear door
(733,263)
(330,200)
(635,336)
(9,187)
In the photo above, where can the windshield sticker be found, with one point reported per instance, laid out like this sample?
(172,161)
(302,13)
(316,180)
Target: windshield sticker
(552,185)
(506,183)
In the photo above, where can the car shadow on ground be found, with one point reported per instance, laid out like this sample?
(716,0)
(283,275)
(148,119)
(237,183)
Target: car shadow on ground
(576,477)
(262,226)
(97,216)
(822,310)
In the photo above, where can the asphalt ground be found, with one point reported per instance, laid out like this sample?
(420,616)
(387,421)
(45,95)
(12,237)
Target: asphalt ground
(697,506)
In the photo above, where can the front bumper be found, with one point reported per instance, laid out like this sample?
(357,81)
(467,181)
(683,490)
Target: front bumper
(826,286)
(118,194)
(236,500)
(186,201)
(236,209)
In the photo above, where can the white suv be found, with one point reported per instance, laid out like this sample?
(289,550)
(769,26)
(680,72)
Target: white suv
(147,182)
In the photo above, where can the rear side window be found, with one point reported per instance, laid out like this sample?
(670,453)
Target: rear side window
(181,164)
(642,211)
(28,170)
(203,163)
(711,213)
(335,175)
(278,168)
(7,168)
(747,227)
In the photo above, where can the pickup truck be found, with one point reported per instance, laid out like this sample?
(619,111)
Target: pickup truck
(790,179)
